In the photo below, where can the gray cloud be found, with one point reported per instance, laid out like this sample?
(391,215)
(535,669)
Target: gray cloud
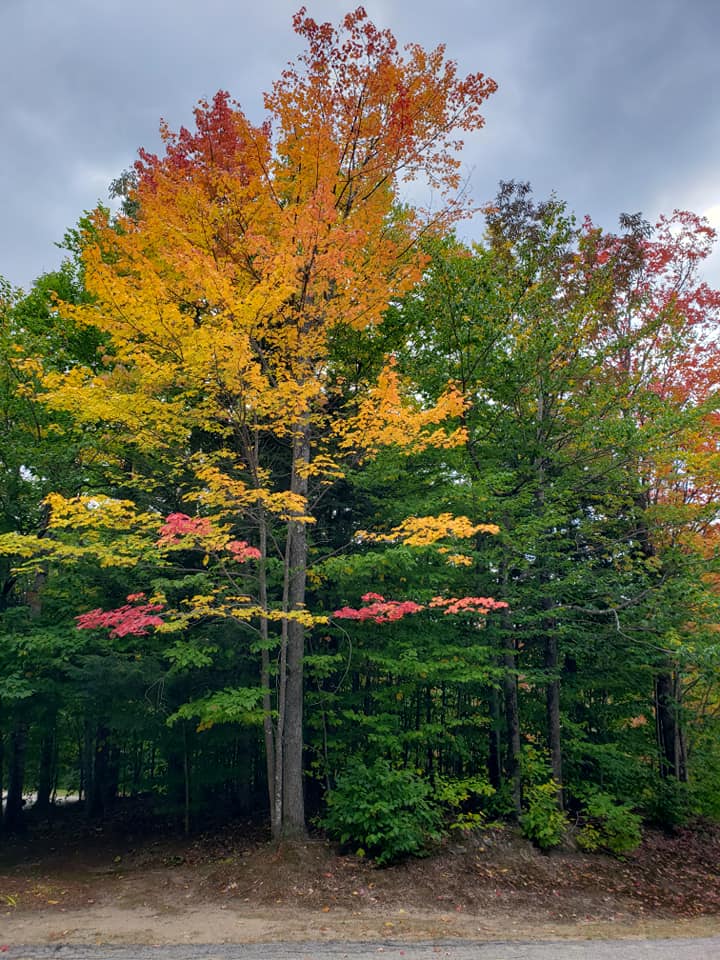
(612,105)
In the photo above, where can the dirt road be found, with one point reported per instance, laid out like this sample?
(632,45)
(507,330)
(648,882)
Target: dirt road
(683,949)
(76,893)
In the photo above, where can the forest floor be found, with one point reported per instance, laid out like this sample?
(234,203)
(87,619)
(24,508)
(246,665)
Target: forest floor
(68,882)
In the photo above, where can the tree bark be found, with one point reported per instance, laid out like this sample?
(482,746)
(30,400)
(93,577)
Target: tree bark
(668,726)
(293,803)
(552,707)
(16,777)
(671,747)
(105,773)
(494,741)
(512,722)
(2,778)
(46,769)
(186,781)
(511,705)
(268,733)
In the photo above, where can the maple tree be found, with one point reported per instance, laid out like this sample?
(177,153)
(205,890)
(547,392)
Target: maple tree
(250,251)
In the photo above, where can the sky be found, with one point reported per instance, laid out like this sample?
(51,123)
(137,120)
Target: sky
(613,105)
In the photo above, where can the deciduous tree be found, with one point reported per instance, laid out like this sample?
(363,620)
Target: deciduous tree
(251,249)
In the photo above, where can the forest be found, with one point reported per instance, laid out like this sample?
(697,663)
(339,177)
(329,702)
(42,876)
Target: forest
(312,511)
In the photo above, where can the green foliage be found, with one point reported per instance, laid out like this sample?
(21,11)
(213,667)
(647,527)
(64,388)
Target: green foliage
(463,799)
(185,655)
(383,811)
(238,705)
(534,765)
(609,826)
(704,790)
(543,822)
(667,803)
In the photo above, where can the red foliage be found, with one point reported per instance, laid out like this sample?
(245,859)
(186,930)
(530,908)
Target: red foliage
(241,551)
(380,610)
(662,316)
(126,621)
(180,525)
(222,142)
(481,605)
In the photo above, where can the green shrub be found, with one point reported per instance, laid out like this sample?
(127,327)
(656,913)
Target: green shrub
(543,822)
(462,799)
(704,793)
(382,811)
(667,804)
(610,826)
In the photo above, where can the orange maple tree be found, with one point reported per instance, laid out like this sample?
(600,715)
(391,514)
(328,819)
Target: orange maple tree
(249,248)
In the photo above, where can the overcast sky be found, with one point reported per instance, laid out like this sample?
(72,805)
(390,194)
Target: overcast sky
(613,104)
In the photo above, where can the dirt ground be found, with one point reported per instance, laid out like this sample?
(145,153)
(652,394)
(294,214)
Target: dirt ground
(67,882)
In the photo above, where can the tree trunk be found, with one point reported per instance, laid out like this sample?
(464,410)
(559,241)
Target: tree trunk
(293,803)
(511,706)
(16,777)
(105,761)
(512,723)
(552,707)
(671,747)
(494,743)
(667,690)
(186,782)
(138,761)
(82,771)
(34,593)
(46,770)
(2,778)
(268,733)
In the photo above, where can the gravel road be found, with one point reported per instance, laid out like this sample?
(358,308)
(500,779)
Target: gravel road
(681,949)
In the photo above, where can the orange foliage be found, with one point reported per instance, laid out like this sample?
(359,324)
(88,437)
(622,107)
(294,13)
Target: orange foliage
(253,242)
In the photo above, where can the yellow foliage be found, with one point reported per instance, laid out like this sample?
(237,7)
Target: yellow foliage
(322,466)
(425,531)
(97,513)
(219,491)
(390,416)
(304,617)
(459,560)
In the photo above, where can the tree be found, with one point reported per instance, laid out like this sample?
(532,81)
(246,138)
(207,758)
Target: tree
(38,453)
(667,319)
(576,350)
(251,251)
